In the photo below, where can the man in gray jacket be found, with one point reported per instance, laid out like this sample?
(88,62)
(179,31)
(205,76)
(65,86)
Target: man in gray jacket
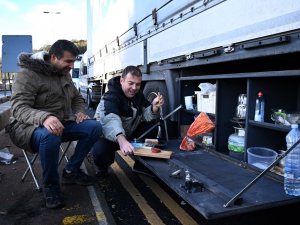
(47,110)
(124,113)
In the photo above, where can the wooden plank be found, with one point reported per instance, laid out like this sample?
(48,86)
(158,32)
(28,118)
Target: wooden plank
(146,151)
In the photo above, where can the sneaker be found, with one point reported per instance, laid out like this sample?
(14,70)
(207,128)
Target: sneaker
(53,197)
(77,177)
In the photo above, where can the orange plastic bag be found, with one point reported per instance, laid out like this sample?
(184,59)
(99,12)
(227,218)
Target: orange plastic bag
(202,124)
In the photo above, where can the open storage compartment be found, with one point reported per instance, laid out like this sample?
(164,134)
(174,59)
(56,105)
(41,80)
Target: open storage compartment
(220,175)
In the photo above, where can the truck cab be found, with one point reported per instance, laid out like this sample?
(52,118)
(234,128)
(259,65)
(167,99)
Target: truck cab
(90,90)
(75,71)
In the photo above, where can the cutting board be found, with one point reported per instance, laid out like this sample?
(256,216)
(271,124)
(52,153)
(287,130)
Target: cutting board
(146,151)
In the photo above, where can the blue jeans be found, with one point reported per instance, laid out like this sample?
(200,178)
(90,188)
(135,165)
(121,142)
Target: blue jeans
(87,133)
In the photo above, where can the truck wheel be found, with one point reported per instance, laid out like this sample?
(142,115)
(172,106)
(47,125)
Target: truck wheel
(89,101)
(160,86)
(157,86)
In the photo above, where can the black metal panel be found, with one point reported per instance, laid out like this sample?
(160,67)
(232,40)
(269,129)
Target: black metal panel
(265,42)
(222,178)
(205,54)
(269,56)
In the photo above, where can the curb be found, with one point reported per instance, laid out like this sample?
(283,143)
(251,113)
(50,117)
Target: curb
(4,111)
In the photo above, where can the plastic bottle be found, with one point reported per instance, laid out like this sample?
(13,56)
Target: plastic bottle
(292,163)
(188,181)
(236,144)
(259,108)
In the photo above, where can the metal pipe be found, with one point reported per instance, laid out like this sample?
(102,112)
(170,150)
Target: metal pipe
(155,125)
(232,201)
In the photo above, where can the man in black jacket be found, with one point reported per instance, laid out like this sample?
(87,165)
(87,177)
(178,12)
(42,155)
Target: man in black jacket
(124,113)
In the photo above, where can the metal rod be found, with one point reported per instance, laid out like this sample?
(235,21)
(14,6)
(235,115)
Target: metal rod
(155,125)
(165,124)
(171,113)
(31,163)
(31,171)
(64,152)
(166,130)
(232,201)
(147,131)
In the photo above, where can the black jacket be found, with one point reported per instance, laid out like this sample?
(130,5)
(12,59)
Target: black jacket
(119,114)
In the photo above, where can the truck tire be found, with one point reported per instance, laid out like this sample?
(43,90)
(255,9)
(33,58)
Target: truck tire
(89,101)
(160,86)
(157,86)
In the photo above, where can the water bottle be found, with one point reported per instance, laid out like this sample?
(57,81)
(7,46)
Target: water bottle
(292,163)
(188,181)
(259,108)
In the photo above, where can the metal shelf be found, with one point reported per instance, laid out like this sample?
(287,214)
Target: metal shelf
(270,126)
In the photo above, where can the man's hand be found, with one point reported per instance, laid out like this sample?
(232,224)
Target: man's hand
(125,146)
(80,117)
(53,125)
(157,103)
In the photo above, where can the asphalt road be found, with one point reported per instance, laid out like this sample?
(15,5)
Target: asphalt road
(125,197)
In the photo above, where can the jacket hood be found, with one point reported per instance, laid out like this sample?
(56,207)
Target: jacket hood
(114,85)
(37,63)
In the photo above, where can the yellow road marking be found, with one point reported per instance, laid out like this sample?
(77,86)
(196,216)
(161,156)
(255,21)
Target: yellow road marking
(176,210)
(78,219)
(149,213)
(100,216)
(76,206)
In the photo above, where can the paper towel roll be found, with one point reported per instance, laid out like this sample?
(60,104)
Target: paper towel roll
(188,100)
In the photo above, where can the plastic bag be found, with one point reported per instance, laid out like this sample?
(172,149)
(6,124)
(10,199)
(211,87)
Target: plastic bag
(207,87)
(202,124)
(5,156)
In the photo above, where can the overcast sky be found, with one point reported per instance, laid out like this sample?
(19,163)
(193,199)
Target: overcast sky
(66,20)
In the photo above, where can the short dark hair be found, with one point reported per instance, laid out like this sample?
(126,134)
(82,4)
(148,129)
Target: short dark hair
(135,71)
(60,46)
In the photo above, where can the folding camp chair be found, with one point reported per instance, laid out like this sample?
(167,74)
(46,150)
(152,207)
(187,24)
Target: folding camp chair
(30,163)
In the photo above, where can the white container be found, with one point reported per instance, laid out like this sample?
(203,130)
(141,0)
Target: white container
(206,102)
(188,100)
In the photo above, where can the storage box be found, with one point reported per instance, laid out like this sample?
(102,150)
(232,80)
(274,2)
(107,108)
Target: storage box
(261,157)
(206,102)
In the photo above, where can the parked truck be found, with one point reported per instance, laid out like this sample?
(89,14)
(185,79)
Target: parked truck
(75,71)
(239,46)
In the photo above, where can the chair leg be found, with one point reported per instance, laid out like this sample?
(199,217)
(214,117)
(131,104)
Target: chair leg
(30,163)
(64,152)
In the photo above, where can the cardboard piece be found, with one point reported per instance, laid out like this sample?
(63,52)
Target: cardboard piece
(146,151)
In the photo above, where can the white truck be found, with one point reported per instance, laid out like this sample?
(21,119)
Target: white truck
(240,46)
(75,71)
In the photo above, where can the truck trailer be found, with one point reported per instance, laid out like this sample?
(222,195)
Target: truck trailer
(240,47)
